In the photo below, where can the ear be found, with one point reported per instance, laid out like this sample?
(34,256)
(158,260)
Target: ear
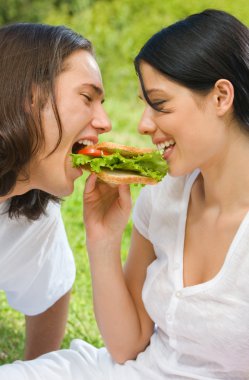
(30,103)
(223,96)
(34,96)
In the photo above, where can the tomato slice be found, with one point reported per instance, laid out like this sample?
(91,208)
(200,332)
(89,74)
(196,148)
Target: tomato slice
(89,151)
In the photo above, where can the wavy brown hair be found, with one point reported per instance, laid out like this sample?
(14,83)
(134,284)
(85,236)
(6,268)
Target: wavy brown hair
(30,55)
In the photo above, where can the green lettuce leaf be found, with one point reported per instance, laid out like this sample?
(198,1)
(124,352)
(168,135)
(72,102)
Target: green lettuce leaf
(149,164)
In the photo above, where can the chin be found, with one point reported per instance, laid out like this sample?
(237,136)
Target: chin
(66,192)
(63,191)
(174,172)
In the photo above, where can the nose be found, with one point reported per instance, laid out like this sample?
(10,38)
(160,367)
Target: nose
(147,124)
(101,120)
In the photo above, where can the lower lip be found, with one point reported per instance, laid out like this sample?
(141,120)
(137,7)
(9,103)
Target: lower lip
(168,152)
(79,172)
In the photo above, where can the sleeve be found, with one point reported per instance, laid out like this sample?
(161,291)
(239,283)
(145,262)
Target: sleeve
(142,211)
(81,362)
(65,364)
(41,269)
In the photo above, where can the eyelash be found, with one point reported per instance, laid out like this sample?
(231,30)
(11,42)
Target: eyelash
(87,97)
(158,103)
(156,106)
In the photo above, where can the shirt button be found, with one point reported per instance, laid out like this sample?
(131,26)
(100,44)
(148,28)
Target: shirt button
(178,294)
(168,317)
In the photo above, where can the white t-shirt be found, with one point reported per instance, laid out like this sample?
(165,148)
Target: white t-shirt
(36,263)
(202,331)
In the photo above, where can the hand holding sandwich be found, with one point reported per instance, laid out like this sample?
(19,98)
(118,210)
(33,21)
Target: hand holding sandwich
(106,213)
(106,209)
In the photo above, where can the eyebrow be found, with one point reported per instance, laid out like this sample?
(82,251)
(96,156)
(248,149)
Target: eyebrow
(96,89)
(148,92)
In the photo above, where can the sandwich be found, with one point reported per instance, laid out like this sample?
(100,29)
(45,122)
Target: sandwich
(116,163)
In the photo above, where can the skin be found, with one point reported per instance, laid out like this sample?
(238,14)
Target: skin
(206,136)
(80,95)
(209,138)
(182,108)
(47,328)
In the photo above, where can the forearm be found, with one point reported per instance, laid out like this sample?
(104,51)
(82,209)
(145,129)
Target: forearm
(115,311)
(44,332)
(106,213)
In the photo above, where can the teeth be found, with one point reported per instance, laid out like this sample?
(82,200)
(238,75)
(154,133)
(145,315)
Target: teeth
(166,144)
(85,142)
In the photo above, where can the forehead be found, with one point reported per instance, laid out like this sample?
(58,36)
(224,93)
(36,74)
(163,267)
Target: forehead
(157,84)
(82,66)
(154,80)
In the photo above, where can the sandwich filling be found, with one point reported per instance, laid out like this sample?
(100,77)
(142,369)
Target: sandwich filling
(150,165)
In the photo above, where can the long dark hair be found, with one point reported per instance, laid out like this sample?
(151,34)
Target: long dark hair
(201,49)
(30,55)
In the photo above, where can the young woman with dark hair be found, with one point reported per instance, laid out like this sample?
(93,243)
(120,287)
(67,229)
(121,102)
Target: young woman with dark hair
(180,308)
(50,99)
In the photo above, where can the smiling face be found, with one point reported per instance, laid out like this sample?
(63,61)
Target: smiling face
(79,98)
(189,131)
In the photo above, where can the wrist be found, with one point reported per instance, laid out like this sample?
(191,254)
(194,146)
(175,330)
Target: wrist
(105,261)
(107,243)
(104,248)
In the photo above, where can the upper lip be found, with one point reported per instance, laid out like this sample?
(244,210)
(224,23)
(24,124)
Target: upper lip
(158,141)
(77,145)
(162,144)
(93,139)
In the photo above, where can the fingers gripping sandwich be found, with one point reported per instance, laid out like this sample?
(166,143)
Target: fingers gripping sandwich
(115,163)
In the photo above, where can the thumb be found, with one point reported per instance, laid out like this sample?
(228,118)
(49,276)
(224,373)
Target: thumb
(125,196)
(90,183)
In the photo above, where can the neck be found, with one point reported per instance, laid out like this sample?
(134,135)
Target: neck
(20,188)
(225,182)
(3,199)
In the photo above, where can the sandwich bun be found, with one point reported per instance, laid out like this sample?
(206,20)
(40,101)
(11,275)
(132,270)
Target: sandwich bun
(126,151)
(118,177)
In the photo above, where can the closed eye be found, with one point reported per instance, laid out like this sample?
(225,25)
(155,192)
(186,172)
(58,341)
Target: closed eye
(159,106)
(87,97)
(158,103)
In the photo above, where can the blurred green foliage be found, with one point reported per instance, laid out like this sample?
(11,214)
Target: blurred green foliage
(117,29)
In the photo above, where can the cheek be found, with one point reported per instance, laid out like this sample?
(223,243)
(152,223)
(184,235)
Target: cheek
(75,117)
(50,129)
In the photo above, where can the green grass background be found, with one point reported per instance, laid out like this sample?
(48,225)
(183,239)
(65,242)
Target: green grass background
(118,29)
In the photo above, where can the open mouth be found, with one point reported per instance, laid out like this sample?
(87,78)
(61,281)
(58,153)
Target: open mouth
(164,146)
(80,145)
